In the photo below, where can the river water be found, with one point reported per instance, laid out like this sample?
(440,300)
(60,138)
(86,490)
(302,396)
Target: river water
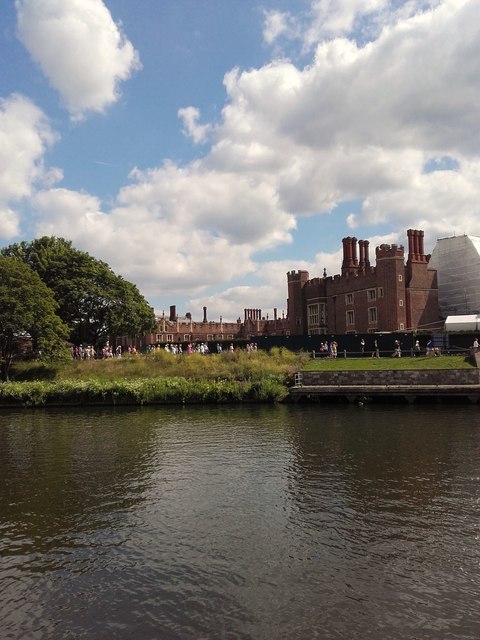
(254,522)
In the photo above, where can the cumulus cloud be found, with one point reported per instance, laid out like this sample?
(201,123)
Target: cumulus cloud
(197,132)
(156,251)
(79,48)
(361,122)
(338,17)
(9,224)
(25,135)
(279,23)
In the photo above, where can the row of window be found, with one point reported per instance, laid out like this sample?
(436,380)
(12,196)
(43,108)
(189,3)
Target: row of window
(161,337)
(372,295)
(317,312)
(372,316)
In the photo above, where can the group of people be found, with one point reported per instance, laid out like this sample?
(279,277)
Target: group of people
(83,352)
(329,349)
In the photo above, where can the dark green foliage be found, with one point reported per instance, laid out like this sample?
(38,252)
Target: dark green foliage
(147,391)
(93,301)
(27,315)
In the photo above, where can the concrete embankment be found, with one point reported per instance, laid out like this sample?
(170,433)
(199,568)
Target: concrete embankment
(407,386)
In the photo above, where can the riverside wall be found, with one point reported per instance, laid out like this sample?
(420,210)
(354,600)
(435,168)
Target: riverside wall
(433,378)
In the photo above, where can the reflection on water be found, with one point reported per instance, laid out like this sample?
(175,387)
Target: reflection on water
(240,522)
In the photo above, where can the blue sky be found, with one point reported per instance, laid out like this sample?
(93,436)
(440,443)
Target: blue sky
(204,149)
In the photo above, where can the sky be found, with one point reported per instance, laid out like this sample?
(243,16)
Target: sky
(204,148)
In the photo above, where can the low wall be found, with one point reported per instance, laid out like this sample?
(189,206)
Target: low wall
(459,377)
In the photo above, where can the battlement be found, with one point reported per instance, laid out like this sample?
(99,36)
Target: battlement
(295,276)
(389,251)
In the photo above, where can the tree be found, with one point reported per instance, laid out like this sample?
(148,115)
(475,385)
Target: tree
(27,310)
(93,301)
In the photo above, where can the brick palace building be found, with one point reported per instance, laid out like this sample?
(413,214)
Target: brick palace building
(390,296)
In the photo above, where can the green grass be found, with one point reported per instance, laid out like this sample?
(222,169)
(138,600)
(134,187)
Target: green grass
(385,364)
(239,366)
(159,377)
(164,378)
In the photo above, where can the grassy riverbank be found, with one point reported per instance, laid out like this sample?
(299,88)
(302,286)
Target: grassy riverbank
(157,378)
(162,378)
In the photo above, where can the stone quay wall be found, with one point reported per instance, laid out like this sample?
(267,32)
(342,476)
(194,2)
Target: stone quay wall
(456,377)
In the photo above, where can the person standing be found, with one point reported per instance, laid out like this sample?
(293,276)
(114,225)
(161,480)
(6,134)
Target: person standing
(397,353)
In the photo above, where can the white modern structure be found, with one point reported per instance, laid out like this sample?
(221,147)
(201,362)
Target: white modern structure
(455,324)
(457,261)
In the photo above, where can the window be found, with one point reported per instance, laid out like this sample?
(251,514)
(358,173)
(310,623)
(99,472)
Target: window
(350,317)
(372,294)
(323,314)
(159,337)
(316,315)
(380,292)
(372,315)
(299,321)
(169,337)
(313,314)
(186,337)
(210,336)
(349,298)
(400,303)
(400,277)
(402,326)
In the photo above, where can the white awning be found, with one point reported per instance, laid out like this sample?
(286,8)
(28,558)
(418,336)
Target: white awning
(462,323)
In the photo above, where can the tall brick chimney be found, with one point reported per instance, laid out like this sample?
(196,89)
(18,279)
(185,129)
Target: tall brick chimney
(350,260)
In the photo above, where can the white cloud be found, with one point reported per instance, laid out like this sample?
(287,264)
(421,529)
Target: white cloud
(358,123)
(9,223)
(25,135)
(333,18)
(79,48)
(189,116)
(278,23)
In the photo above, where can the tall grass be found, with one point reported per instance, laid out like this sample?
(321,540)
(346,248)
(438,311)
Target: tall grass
(239,365)
(161,390)
(159,377)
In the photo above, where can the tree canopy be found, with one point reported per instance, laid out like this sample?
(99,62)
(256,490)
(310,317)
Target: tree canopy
(92,300)
(27,311)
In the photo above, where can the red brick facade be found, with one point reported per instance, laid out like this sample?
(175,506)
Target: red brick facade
(390,296)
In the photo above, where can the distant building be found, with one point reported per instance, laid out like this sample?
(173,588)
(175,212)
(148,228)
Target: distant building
(390,296)
(393,295)
(184,329)
(457,262)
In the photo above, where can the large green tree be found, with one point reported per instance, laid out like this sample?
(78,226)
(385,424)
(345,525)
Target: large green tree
(93,301)
(27,311)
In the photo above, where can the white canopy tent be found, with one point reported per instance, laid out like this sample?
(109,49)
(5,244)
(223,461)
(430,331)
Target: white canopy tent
(454,324)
